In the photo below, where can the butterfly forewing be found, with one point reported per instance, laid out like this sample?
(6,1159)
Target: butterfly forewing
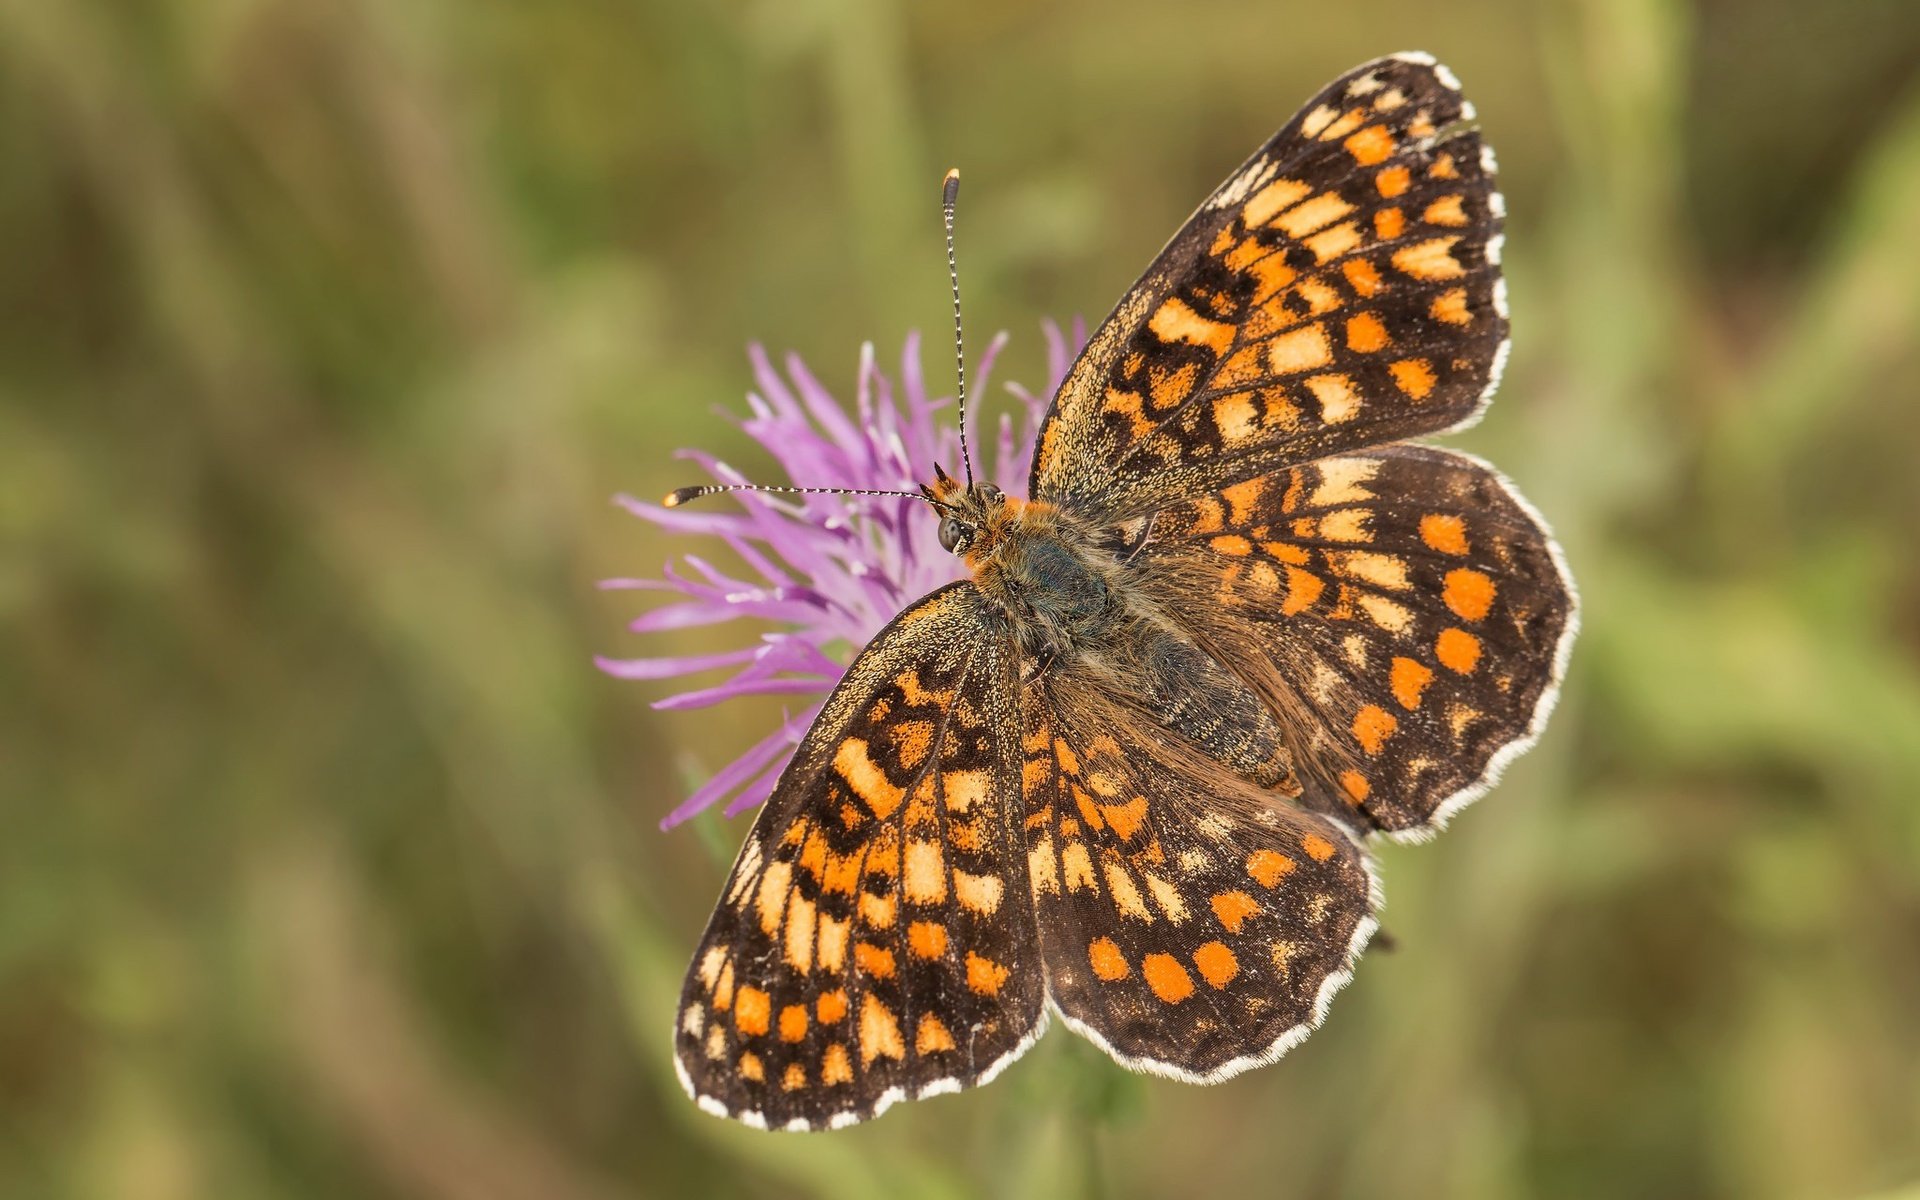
(1341,289)
(1411,608)
(874,940)
(1192,926)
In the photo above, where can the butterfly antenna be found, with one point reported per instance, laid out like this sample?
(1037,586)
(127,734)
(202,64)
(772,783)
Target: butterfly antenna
(949,193)
(680,496)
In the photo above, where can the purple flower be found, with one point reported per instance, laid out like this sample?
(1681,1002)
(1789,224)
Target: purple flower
(826,571)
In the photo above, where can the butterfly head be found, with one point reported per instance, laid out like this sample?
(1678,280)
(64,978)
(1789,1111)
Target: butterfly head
(965,512)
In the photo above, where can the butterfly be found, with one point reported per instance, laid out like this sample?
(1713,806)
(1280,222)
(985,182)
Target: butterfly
(1126,770)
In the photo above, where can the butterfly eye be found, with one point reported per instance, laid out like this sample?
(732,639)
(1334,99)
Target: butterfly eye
(954,534)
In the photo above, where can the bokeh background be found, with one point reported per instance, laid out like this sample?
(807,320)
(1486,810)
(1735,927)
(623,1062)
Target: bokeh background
(329,866)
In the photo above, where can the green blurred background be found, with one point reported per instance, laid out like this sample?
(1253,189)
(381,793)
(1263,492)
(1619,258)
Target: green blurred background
(329,864)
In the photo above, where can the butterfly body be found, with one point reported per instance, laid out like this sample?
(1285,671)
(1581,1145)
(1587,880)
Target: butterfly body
(1045,571)
(1124,771)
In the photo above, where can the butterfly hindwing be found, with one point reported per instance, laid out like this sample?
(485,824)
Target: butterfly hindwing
(874,940)
(1410,608)
(1192,926)
(1341,289)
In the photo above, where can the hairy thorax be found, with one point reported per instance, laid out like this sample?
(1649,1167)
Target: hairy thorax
(1058,585)
(1084,621)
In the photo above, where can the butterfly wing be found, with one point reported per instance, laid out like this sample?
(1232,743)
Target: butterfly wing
(1341,289)
(1403,605)
(1192,926)
(872,942)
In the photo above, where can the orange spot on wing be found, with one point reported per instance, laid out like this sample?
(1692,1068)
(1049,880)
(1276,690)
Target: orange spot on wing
(1332,242)
(926,875)
(1207,514)
(1271,199)
(1175,321)
(977,893)
(1321,297)
(752,1068)
(1468,592)
(813,855)
(1392,181)
(866,779)
(932,1036)
(1268,867)
(1242,499)
(1457,650)
(1410,678)
(1168,979)
(1362,276)
(837,1066)
(1415,377)
(1304,349)
(793,1022)
(1107,961)
(752,1009)
(1233,908)
(1244,366)
(911,741)
(874,960)
(1303,588)
(1365,333)
(1317,213)
(1235,417)
(1244,254)
(1125,819)
(1126,896)
(1217,964)
(1445,211)
(1372,726)
(831,1006)
(771,899)
(1371,145)
(984,975)
(1431,259)
(1168,388)
(1347,123)
(927,938)
(1444,532)
(1232,544)
(1315,122)
(964,789)
(1355,785)
(879,1032)
(877,911)
(1450,307)
(800,933)
(795,1078)
(1318,849)
(1339,399)
(1389,223)
(1064,754)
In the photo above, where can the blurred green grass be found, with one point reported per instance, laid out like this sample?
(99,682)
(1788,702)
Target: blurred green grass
(327,327)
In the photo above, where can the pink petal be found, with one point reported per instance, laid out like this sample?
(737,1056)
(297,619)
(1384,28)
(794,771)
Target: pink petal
(663,668)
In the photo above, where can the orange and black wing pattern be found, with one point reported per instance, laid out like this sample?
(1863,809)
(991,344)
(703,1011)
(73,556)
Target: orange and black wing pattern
(1341,289)
(1192,926)
(1411,607)
(874,941)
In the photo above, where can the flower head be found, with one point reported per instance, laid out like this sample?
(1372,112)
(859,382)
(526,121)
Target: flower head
(828,571)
